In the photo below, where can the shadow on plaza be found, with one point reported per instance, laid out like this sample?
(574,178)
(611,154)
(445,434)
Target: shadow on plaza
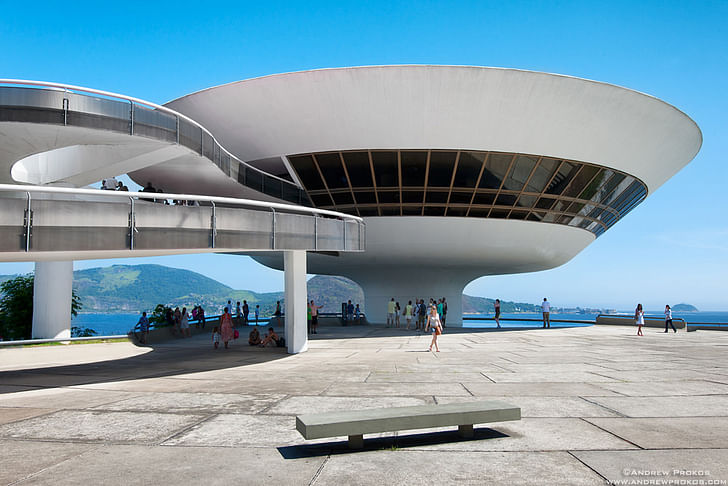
(392,443)
(165,359)
(175,356)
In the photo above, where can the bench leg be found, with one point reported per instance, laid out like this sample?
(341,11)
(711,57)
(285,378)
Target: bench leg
(356,441)
(466,431)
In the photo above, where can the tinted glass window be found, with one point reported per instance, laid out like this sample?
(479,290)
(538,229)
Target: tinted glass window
(332,170)
(562,179)
(413,196)
(341,198)
(413,168)
(388,196)
(434,211)
(411,210)
(468,170)
(441,166)
(357,165)
(579,183)
(520,173)
(542,175)
(495,170)
(484,199)
(460,197)
(365,197)
(320,200)
(527,201)
(505,200)
(306,170)
(436,197)
(386,169)
(457,211)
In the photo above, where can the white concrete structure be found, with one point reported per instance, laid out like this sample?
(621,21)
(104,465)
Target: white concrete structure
(459,172)
(280,122)
(52,291)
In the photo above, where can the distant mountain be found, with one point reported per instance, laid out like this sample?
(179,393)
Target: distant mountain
(684,308)
(482,305)
(134,288)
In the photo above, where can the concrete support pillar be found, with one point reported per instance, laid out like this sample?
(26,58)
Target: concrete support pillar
(294,266)
(52,293)
(380,285)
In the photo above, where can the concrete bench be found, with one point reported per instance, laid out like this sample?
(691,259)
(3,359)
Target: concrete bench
(359,422)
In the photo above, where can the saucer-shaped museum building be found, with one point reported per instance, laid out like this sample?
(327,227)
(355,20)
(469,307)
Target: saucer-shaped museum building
(459,172)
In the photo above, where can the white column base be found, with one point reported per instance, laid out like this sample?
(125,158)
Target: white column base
(52,294)
(380,287)
(296,332)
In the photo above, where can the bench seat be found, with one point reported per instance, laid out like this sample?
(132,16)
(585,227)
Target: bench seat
(356,423)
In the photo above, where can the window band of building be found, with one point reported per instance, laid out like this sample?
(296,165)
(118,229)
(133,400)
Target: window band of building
(469,184)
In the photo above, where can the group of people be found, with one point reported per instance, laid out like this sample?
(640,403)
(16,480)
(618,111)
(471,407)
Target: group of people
(639,319)
(417,312)
(352,314)
(111,184)
(242,312)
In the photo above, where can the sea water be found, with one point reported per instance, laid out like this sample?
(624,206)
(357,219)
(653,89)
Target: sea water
(115,324)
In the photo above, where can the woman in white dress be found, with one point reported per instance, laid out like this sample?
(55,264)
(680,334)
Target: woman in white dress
(184,323)
(639,318)
(433,324)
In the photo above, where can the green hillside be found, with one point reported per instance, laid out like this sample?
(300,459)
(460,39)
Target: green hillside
(133,288)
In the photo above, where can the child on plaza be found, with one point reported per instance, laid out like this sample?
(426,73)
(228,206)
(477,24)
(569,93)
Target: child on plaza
(257,313)
(215,337)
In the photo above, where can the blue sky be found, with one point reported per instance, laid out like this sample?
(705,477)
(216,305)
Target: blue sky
(672,248)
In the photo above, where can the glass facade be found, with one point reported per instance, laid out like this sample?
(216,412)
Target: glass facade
(468,184)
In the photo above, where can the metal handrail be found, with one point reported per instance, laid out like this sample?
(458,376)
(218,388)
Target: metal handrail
(527,319)
(72,88)
(183,197)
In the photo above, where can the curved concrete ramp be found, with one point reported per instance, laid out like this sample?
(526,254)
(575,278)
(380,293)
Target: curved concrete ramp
(42,223)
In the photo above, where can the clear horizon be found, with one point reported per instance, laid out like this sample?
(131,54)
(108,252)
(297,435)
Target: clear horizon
(671,248)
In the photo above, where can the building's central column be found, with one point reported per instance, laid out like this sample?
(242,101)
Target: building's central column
(52,293)
(380,285)
(294,266)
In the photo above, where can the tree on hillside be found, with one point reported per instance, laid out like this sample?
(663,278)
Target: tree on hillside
(16,307)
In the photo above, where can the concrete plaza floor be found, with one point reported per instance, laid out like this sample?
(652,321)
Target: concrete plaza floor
(598,404)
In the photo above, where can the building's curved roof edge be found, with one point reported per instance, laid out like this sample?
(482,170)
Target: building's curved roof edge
(384,66)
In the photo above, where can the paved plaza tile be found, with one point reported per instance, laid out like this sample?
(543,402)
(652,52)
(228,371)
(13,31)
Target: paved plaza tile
(595,402)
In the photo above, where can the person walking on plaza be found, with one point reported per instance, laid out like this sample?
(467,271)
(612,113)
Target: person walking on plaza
(226,327)
(144,328)
(246,312)
(444,312)
(668,318)
(184,323)
(497,312)
(397,312)
(257,313)
(639,319)
(314,315)
(434,325)
(350,312)
(546,310)
(440,309)
(278,313)
(391,306)
(422,313)
(408,314)
(357,314)
(238,312)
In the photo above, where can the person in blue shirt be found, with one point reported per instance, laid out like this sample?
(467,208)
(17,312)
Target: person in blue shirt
(143,326)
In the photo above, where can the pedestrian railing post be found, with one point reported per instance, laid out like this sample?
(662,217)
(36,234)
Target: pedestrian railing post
(132,224)
(28,222)
(213,224)
(273,231)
